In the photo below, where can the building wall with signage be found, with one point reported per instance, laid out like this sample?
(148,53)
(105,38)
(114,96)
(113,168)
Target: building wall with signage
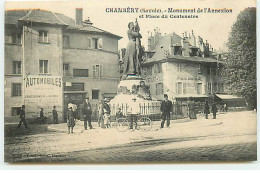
(43,92)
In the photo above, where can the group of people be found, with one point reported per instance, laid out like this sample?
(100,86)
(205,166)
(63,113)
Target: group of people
(40,120)
(86,113)
(105,117)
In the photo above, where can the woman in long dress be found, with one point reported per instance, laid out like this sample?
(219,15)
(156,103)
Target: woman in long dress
(131,61)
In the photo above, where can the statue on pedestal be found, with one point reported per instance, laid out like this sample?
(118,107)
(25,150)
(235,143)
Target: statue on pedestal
(134,52)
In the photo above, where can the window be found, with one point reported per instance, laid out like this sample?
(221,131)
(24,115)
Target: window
(66,69)
(16,111)
(43,66)
(95,94)
(215,87)
(179,88)
(16,67)
(13,38)
(80,72)
(179,67)
(210,87)
(74,87)
(97,71)
(16,89)
(149,42)
(159,88)
(66,42)
(97,43)
(199,88)
(199,69)
(43,36)
(221,87)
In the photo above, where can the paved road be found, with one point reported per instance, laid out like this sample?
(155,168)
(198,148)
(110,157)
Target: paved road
(232,137)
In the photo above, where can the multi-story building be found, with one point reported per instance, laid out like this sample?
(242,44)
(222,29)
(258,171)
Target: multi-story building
(42,45)
(182,67)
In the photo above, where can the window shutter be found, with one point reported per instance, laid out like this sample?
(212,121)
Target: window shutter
(184,88)
(100,43)
(89,42)
(176,88)
(94,71)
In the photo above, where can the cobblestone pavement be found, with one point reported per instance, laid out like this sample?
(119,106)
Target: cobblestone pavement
(231,137)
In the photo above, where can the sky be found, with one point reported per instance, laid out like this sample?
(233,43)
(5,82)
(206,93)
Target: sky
(214,27)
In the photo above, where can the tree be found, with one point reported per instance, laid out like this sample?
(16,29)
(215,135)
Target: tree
(240,70)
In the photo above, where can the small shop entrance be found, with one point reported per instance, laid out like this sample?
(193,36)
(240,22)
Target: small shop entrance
(74,98)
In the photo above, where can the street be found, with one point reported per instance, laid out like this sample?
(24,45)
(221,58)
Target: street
(230,137)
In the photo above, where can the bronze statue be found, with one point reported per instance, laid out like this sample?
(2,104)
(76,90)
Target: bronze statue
(134,51)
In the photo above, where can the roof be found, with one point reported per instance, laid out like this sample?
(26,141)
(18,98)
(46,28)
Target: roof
(228,97)
(90,28)
(48,17)
(37,15)
(162,52)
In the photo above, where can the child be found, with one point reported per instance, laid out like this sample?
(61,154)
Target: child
(70,120)
(106,118)
(119,114)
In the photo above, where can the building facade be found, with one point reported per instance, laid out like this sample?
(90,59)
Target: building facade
(44,49)
(182,67)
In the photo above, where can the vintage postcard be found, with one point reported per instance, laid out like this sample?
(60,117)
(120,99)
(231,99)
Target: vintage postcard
(130,82)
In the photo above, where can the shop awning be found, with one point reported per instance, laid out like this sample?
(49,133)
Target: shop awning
(109,95)
(193,96)
(228,97)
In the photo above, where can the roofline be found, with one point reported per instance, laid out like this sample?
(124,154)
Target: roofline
(171,59)
(104,32)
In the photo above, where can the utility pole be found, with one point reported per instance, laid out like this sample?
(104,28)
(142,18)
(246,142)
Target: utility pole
(23,66)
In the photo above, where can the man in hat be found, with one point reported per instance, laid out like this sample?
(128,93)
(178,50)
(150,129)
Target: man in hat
(55,115)
(214,110)
(166,109)
(134,112)
(87,112)
(22,117)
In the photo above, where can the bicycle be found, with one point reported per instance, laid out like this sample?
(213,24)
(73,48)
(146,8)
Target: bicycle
(143,123)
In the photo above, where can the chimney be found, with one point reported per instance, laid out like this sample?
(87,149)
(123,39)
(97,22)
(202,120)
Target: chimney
(186,47)
(171,48)
(79,16)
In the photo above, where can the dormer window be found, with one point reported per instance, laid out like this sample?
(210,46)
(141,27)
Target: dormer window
(177,50)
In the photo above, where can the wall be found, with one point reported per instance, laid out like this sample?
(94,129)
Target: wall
(34,51)
(189,75)
(80,56)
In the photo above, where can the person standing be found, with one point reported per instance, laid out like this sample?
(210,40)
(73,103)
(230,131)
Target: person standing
(41,119)
(206,109)
(87,112)
(134,112)
(70,120)
(106,118)
(55,115)
(166,109)
(22,117)
(214,110)
(100,113)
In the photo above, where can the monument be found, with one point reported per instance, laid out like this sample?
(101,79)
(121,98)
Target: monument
(132,85)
